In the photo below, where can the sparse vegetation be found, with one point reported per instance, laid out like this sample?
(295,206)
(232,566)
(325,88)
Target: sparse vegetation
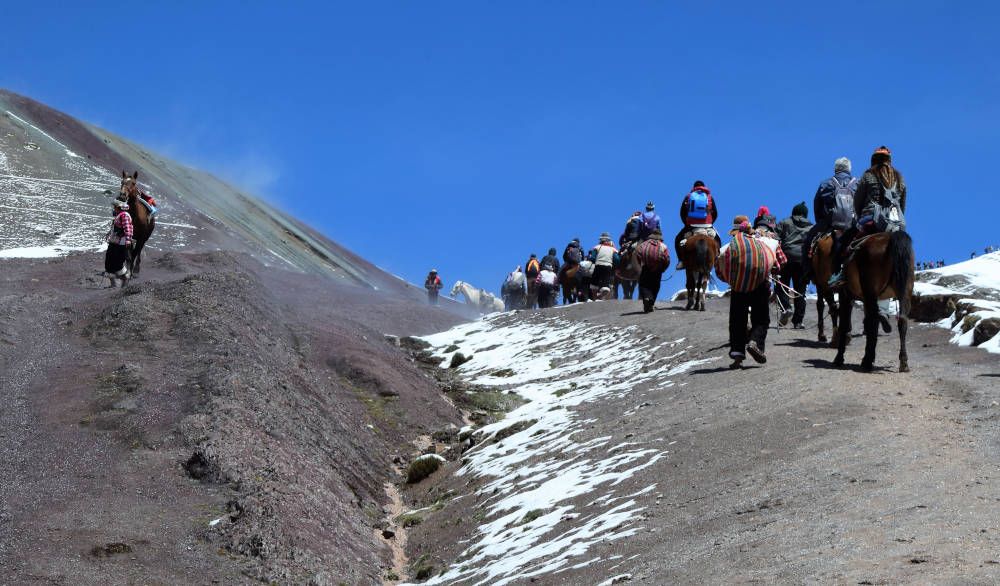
(450,349)
(422,467)
(515,428)
(409,520)
(531,516)
(422,568)
(458,359)
(493,401)
(503,372)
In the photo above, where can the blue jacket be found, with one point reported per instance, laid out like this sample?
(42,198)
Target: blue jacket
(823,202)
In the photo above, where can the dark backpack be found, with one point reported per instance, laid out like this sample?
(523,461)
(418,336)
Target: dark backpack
(573,255)
(697,205)
(633,228)
(889,217)
(842,205)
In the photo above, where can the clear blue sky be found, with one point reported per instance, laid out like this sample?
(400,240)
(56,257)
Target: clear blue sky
(465,135)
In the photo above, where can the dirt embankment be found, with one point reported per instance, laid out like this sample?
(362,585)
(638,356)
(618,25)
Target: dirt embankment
(212,422)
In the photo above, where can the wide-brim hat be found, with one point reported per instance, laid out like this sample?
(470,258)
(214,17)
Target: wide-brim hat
(605,236)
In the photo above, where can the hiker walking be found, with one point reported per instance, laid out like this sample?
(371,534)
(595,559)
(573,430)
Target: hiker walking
(792,233)
(547,285)
(433,285)
(747,264)
(655,258)
(698,210)
(550,261)
(605,258)
(119,239)
(531,270)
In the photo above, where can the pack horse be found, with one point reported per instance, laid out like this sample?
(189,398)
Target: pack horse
(480,298)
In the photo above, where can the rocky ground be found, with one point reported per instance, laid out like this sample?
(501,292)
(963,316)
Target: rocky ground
(214,422)
(687,472)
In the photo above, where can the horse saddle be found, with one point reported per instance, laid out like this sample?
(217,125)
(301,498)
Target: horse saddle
(696,230)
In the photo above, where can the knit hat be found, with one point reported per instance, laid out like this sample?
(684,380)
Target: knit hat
(650,206)
(699,183)
(605,237)
(880,154)
(763,211)
(801,209)
(741,223)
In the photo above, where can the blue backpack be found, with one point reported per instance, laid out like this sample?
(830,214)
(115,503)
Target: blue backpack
(697,205)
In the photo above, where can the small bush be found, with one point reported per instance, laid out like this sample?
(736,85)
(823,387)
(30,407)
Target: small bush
(409,520)
(458,359)
(423,467)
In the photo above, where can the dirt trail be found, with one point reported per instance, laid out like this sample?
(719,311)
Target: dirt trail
(789,472)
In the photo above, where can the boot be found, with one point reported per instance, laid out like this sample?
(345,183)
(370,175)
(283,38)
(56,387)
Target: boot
(756,352)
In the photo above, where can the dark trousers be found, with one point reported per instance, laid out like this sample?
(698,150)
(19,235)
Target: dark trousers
(432,296)
(760,319)
(649,284)
(793,275)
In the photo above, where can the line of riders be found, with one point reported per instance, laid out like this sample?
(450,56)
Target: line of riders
(846,208)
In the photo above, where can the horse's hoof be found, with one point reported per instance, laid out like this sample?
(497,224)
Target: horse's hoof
(903,367)
(838,361)
(822,338)
(867,366)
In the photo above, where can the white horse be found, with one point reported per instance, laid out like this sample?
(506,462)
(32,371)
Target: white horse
(485,301)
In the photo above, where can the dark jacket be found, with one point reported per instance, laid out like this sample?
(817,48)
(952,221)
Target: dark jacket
(713,211)
(792,235)
(823,201)
(870,192)
(572,246)
(550,261)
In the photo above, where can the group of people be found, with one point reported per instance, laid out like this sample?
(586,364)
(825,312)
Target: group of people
(760,251)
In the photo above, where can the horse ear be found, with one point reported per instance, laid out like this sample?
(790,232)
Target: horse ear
(135,175)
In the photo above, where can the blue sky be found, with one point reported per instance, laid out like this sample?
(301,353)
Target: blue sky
(465,135)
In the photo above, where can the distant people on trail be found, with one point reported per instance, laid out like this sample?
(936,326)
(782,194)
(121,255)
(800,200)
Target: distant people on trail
(433,285)
(605,258)
(765,223)
(573,253)
(633,230)
(698,210)
(792,233)
(833,208)
(531,270)
(550,261)
(655,258)
(119,239)
(879,204)
(746,264)
(547,285)
(650,221)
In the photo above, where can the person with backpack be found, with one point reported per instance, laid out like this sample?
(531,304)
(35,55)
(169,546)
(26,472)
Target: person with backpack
(573,253)
(765,223)
(654,256)
(879,204)
(633,230)
(531,270)
(433,285)
(550,262)
(547,284)
(650,221)
(119,239)
(746,264)
(605,258)
(833,208)
(698,210)
(512,290)
(791,234)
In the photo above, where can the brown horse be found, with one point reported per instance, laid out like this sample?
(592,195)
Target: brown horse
(628,270)
(822,269)
(882,268)
(142,222)
(570,284)
(698,255)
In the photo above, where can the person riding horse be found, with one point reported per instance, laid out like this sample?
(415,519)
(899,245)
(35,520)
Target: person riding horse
(698,210)
(879,204)
(832,217)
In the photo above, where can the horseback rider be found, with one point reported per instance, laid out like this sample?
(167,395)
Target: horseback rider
(633,230)
(550,261)
(605,258)
(573,253)
(791,233)
(119,239)
(698,210)
(879,204)
(433,285)
(747,264)
(833,206)
(650,221)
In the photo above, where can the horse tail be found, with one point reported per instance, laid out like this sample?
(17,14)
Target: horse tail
(701,255)
(900,254)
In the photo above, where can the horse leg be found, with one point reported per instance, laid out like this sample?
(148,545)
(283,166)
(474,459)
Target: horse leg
(702,285)
(871,324)
(820,308)
(902,324)
(840,335)
(690,289)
